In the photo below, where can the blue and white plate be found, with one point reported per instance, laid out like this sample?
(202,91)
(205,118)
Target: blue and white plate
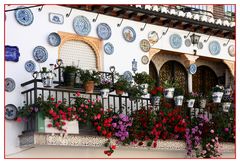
(175,41)
(231,50)
(214,47)
(108,48)
(81,25)
(54,39)
(10,112)
(40,54)
(193,68)
(128,76)
(24,16)
(30,66)
(104,31)
(129,34)
(9,84)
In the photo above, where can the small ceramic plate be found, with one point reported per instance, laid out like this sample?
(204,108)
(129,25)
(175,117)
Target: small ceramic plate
(54,39)
(153,37)
(81,25)
(188,42)
(9,84)
(40,54)
(30,66)
(145,59)
(200,45)
(10,112)
(24,16)
(231,50)
(129,34)
(128,76)
(175,41)
(56,18)
(108,48)
(214,47)
(104,31)
(145,45)
(193,68)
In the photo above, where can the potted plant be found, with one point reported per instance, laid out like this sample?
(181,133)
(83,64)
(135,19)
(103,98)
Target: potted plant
(89,78)
(134,92)
(226,103)
(227,91)
(178,96)
(217,93)
(121,85)
(144,80)
(69,73)
(47,77)
(191,97)
(105,85)
(156,95)
(168,89)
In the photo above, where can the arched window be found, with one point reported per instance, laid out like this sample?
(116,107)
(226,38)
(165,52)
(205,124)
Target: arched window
(173,70)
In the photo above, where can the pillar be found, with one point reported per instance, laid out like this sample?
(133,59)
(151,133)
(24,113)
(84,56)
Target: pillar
(189,82)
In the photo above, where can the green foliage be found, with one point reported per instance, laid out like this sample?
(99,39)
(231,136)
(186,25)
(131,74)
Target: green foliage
(87,75)
(143,78)
(121,84)
(69,69)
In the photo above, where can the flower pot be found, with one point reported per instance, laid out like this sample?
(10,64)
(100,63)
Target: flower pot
(144,88)
(227,91)
(217,97)
(178,100)
(104,93)
(191,103)
(169,92)
(202,103)
(226,106)
(89,86)
(47,79)
(119,92)
(155,100)
(69,79)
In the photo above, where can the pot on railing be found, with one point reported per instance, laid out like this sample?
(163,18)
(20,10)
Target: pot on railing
(47,79)
(217,97)
(104,93)
(169,92)
(190,103)
(155,100)
(226,106)
(178,100)
(119,92)
(227,91)
(89,86)
(144,88)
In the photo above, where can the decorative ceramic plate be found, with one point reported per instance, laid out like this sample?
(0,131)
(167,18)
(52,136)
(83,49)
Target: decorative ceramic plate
(30,66)
(24,16)
(12,53)
(104,31)
(214,47)
(193,68)
(81,25)
(188,42)
(54,39)
(175,41)
(128,76)
(145,59)
(56,18)
(231,50)
(9,84)
(129,34)
(10,112)
(108,48)
(40,54)
(145,45)
(200,45)
(153,37)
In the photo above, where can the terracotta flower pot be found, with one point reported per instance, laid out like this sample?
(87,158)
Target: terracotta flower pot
(119,92)
(89,86)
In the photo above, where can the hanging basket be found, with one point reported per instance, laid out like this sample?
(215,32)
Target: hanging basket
(155,100)
(226,106)
(169,92)
(104,93)
(178,100)
(190,103)
(217,97)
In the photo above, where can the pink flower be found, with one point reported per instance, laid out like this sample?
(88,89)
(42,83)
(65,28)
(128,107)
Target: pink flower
(86,106)
(19,120)
(78,94)
(226,129)
(212,131)
(49,125)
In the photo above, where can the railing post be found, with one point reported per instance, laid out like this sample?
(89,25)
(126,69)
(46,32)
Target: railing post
(120,104)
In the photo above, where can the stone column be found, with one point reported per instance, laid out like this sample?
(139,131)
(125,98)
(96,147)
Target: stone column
(189,82)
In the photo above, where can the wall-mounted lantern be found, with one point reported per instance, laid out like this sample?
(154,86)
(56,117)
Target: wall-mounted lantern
(195,38)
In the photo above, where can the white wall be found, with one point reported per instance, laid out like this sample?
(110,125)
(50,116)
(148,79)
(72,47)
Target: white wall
(28,37)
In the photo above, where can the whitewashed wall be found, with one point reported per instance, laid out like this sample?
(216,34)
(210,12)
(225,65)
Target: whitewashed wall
(28,37)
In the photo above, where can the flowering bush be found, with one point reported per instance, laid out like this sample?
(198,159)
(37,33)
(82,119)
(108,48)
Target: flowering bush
(105,83)
(157,91)
(26,112)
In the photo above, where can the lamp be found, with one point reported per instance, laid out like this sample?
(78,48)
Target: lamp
(195,38)
(134,66)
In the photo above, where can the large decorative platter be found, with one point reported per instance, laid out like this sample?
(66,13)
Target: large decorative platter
(40,54)
(54,39)
(108,48)
(104,31)
(9,84)
(144,45)
(175,41)
(153,37)
(145,59)
(81,25)
(30,66)
(193,68)
(10,112)
(24,16)
(12,53)
(129,34)
(128,76)
(214,47)
(231,50)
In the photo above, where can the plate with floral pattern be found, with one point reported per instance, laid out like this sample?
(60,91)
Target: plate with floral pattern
(145,59)
(24,16)
(214,47)
(188,42)
(193,68)
(104,31)
(144,45)
(128,76)
(175,41)
(81,25)
(231,50)
(40,54)
(129,34)
(10,112)
(153,37)
(54,39)
(30,66)
(9,84)
(108,48)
